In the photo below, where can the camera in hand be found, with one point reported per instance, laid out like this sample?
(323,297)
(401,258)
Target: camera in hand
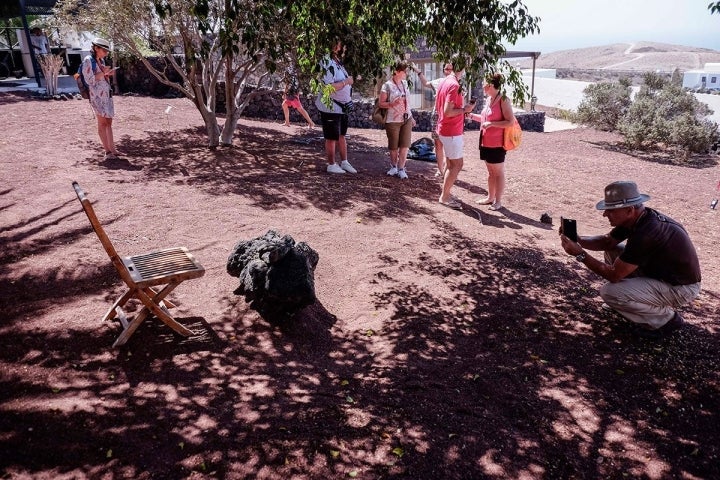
(569,229)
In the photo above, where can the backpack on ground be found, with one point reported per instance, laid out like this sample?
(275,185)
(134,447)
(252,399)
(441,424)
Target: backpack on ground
(422,149)
(82,85)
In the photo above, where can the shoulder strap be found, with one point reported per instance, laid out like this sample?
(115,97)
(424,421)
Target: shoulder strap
(501,99)
(93,65)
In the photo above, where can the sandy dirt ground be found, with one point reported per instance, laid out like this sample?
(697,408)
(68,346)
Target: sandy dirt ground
(444,344)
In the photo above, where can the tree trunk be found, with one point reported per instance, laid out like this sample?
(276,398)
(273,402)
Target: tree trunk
(211,124)
(228,130)
(231,115)
(213,130)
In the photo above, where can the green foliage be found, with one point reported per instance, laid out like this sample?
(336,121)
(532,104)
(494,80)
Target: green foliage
(377,32)
(652,83)
(604,105)
(662,114)
(245,41)
(665,114)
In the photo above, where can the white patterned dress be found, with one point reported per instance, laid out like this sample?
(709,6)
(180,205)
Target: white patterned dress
(100,98)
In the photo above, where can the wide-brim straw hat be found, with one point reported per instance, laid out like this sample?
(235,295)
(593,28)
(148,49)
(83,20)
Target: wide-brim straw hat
(102,43)
(620,195)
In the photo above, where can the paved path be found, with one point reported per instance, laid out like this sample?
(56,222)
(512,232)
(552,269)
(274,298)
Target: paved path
(567,94)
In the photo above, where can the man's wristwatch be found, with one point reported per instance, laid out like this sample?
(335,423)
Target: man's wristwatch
(580,257)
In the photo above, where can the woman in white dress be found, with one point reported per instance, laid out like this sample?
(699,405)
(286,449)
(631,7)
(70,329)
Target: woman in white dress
(97,76)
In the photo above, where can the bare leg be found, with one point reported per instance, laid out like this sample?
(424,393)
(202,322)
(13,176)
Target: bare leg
(330,150)
(101,133)
(109,135)
(402,159)
(452,170)
(306,117)
(286,112)
(496,182)
(342,146)
(394,158)
(106,134)
(440,155)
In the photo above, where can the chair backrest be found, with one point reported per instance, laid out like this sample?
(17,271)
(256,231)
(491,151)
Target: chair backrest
(100,232)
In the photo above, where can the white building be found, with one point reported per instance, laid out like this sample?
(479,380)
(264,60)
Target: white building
(708,78)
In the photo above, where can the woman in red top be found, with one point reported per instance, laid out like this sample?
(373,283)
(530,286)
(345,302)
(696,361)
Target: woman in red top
(496,115)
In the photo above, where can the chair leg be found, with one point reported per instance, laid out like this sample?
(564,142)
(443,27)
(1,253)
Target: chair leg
(118,303)
(152,292)
(139,318)
(132,326)
(152,304)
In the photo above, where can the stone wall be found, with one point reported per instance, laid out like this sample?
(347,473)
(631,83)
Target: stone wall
(133,77)
(267,105)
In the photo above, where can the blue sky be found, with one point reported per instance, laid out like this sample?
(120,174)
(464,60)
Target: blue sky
(570,24)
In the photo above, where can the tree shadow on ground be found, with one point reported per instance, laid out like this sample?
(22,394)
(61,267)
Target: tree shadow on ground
(496,362)
(497,368)
(281,175)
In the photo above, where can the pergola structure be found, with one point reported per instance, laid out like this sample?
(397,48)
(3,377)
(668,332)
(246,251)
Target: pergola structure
(23,8)
(534,56)
(423,57)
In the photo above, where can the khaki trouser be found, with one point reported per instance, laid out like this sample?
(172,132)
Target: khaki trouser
(645,300)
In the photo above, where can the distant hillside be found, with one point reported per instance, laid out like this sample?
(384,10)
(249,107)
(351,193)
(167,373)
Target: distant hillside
(638,56)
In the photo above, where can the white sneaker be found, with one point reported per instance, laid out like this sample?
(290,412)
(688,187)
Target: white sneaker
(335,168)
(393,171)
(345,165)
(402,174)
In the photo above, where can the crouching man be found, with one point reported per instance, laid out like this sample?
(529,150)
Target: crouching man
(654,271)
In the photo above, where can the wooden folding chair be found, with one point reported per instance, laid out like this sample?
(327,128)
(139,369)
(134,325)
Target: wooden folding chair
(150,277)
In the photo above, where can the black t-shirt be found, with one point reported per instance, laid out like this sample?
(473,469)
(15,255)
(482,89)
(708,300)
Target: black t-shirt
(661,247)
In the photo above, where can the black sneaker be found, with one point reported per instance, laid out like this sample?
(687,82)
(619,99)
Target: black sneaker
(675,323)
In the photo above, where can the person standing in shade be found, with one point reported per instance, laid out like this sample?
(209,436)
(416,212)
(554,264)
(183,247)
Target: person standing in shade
(434,85)
(399,120)
(496,115)
(650,264)
(334,118)
(451,109)
(97,76)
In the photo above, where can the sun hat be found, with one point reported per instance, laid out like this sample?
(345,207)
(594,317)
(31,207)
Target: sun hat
(102,43)
(621,194)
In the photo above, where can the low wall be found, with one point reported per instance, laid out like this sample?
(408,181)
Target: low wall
(267,105)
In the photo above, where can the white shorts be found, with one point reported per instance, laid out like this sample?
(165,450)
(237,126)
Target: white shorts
(453,146)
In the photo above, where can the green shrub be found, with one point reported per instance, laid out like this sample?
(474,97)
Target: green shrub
(664,114)
(604,104)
